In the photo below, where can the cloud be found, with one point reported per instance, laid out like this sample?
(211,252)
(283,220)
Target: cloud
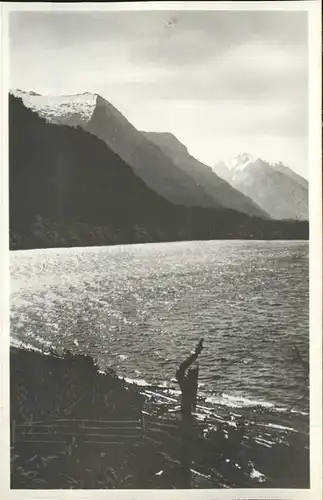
(197,73)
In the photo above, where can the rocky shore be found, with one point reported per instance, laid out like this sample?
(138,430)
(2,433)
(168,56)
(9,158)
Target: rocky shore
(73,427)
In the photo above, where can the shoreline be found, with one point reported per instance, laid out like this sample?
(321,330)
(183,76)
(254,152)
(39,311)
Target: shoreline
(50,246)
(92,247)
(70,390)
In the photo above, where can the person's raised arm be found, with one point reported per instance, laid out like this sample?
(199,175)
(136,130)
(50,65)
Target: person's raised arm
(189,361)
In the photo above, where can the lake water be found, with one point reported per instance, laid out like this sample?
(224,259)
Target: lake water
(140,309)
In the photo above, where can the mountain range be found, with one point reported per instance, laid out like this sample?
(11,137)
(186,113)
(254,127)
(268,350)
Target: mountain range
(160,160)
(67,187)
(221,191)
(275,188)
(245,184)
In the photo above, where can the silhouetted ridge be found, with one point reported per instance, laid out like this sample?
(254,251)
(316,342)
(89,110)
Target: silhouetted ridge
(146,159)
(66,174)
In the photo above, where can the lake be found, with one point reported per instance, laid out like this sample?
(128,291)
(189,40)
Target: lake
(140,309)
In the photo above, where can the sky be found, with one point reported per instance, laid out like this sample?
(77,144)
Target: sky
(223,82)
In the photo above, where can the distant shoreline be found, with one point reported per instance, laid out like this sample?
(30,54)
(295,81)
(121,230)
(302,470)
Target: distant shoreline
(96,245)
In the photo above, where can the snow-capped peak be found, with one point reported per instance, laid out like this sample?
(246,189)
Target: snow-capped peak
(20,92)
(277,164)
(57,108)
(240,161)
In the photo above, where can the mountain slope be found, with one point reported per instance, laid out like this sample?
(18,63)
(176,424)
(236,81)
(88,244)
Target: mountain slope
(67,175)
(215,186)
(280,167)
(171,172)
(278,190)
(100,118)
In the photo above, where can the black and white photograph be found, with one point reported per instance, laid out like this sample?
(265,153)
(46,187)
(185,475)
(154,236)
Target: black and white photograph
(159,255)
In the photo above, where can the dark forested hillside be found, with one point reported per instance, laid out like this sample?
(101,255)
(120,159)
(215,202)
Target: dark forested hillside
(65,174)
(67,188)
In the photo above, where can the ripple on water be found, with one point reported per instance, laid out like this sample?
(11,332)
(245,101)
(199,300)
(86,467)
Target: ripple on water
(124,304)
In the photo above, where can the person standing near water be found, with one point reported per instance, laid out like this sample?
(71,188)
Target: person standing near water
(188,381)
(188,385)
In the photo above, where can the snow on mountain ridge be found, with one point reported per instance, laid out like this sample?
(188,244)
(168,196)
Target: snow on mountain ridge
(274,187)
(56,108)
(25,92)
(243,160)
(240,161)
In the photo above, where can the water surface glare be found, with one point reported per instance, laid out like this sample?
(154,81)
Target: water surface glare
(140,309)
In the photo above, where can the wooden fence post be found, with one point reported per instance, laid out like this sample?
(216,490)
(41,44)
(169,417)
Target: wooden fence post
(189,397)
(143,425)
